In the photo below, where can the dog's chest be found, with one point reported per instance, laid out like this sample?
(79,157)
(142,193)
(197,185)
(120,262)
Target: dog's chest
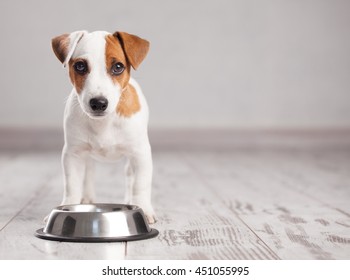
(107,142)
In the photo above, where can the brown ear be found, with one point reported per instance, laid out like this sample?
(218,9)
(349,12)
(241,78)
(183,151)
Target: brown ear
(134,47)
(60,46)
(64,45)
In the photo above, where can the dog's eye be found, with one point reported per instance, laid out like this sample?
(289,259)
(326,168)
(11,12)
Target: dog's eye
(80,67)
(117,68)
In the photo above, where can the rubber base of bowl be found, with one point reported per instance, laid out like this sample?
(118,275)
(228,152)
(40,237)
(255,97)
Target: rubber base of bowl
(41,234)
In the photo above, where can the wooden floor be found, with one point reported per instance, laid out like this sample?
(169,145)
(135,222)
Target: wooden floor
(228,204)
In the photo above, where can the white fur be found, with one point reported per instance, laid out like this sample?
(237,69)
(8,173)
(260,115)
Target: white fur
(74,38)
(104,138)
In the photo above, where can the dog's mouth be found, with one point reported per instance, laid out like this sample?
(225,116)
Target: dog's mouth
(97,115)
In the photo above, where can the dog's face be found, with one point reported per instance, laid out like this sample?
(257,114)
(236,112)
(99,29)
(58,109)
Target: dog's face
(99,66)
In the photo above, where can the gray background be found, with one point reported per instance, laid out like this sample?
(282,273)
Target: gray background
(213,64)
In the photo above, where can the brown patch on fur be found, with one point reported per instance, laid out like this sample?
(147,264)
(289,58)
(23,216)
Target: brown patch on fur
(134,47)
(129,102)
(129,50)
(114,54)
(60,46)
(77,80)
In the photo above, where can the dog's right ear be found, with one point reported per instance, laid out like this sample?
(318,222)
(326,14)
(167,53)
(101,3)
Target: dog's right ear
(65,44)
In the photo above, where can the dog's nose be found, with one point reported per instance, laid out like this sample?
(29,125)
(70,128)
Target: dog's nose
(98,104)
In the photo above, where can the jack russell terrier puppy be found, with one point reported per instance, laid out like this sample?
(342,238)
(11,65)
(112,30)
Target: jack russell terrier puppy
(106,114)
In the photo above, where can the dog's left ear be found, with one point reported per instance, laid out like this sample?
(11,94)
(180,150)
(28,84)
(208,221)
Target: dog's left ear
(135,48)
(64,45)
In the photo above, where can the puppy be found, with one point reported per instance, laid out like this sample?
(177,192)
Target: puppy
(106,114)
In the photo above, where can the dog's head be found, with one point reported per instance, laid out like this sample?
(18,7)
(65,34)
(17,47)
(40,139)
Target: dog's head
(99,66)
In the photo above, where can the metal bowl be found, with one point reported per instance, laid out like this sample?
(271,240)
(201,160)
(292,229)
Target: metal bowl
(96,223)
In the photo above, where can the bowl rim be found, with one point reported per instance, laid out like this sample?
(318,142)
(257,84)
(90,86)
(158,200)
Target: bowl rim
(60,208)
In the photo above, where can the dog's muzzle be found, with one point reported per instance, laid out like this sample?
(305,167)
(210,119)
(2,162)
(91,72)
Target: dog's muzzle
(99,104)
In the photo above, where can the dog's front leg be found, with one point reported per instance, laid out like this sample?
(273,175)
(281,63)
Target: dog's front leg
(129,182)
(141,163)
(88,185)
(74,167)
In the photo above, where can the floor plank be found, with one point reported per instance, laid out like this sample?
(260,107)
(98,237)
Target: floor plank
(192,223)
(21,179)
(235,204)
(17,240)
(292,222)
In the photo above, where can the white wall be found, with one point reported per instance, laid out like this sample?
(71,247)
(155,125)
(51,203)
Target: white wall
(230,64)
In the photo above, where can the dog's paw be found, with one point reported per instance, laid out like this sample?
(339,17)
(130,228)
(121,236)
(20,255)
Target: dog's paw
(151,217)
(148,211)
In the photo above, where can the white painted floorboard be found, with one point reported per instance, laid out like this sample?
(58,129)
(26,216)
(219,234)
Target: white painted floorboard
(234,204)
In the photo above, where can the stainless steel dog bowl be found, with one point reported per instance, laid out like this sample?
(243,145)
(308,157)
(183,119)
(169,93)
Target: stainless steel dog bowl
(96,223)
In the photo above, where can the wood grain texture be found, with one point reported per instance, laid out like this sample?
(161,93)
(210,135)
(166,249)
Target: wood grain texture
(299,217)
(21,179)
(30,206)
(193,223)
(237,204)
